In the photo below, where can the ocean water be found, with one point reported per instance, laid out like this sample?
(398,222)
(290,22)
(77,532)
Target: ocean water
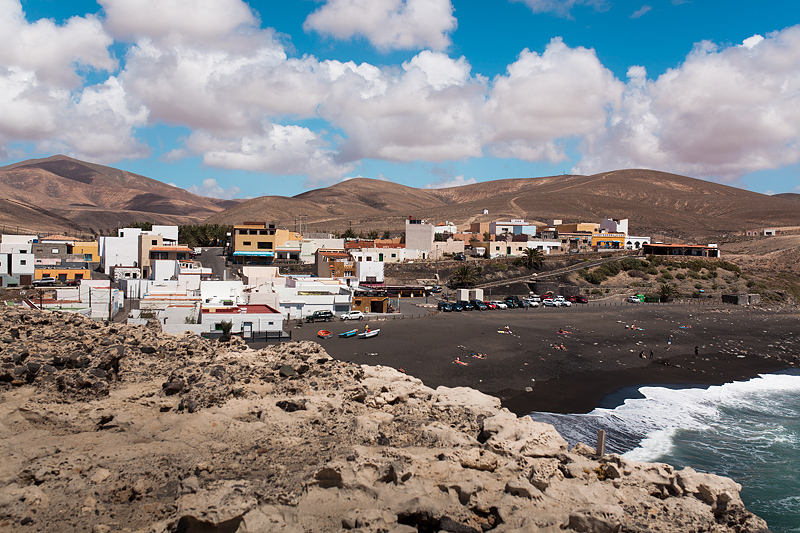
(748,431)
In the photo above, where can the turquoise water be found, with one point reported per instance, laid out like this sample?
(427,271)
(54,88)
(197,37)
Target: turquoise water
(748,431)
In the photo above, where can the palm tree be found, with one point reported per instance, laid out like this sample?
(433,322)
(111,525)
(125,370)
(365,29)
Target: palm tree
(533,258)
(464,276)
(666,292)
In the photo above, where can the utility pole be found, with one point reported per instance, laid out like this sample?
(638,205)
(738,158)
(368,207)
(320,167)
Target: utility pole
(109,301)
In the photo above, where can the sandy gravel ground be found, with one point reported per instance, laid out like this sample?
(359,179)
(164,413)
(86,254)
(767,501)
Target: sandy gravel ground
(601,355)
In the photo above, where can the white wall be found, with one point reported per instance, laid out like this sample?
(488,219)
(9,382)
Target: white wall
(366,269)
(217,291)
(170,233)
(546,246)
(17,239)
(261,321)
(615,226)
(164,269)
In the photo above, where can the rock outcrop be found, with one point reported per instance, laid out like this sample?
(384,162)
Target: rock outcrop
(106,427)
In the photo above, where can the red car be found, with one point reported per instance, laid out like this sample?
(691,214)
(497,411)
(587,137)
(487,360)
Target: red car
(578,299)
(490,305)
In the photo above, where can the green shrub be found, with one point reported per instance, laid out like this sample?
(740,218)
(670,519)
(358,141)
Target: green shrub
(698,286)
(666,276)
(695,275)
(680,275)
(653,271)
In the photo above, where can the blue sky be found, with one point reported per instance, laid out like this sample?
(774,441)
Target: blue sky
(229,98)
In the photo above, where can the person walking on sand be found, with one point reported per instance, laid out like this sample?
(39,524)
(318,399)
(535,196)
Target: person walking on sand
(697,350)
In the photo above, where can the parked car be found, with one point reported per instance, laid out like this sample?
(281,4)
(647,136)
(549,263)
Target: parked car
(460,257)
(581,300)
(562,302)
(466,305)
(444,307)
(535,298)
(479,305)
(530,302)
(490,305)
(457,306)
(549,302)
(436,288)
(320,316)
(353,315)
(44,282)
(633,300)
(512,299)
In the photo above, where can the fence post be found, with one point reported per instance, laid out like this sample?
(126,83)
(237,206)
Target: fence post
(601,442)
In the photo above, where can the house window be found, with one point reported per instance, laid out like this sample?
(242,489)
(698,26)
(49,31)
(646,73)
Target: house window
(247,243)
(87,257)
(154,242)
(23,261)
(253,232)
(265,245)
(53,250)
(263,232)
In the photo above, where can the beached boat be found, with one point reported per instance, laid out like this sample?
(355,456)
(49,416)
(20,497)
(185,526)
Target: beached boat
(351,333)
(324,334)
(369,334)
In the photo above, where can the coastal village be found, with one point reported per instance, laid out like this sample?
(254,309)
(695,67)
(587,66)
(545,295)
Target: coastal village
(170,283)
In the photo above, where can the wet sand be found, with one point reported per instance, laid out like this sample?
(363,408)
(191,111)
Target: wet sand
(602,355)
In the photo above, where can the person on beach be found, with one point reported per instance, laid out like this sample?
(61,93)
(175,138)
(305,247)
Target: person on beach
(697,350)
(651,354)
(367,328)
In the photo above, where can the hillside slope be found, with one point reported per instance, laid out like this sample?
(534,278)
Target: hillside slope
(655,202)
(99,197)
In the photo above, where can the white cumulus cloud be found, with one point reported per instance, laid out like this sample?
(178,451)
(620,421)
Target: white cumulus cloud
(53,52)
(723,113)
(211,189)
(561,7)
(457,181)
(564,92)
(173,21)
(641,11)
(387,24)
(277,149)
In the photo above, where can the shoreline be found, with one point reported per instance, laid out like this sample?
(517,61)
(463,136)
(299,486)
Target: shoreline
(602,352)
(583,392)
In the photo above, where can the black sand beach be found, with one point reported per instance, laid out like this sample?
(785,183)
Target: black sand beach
(603,349)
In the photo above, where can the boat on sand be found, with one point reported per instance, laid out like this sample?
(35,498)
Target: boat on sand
(324,334)
(351,333)
(369,334)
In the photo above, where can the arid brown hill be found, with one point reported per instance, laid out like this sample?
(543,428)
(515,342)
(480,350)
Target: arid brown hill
(64,193)
(655,202)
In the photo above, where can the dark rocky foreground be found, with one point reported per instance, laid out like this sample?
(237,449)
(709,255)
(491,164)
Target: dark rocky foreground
(115,428)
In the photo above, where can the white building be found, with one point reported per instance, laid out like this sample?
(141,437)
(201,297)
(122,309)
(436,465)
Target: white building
(545,245)
(123,250)
(222,292)
(248,320)
(613,225)
(512,227)
(309,246)
(16,269)
(446,227)
(419,236)
(369,271)
(16,244)
(300,297)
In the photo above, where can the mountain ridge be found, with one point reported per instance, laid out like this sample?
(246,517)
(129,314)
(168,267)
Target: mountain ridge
(93,196)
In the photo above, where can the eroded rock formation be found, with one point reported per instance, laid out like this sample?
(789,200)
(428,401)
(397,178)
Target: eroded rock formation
(105,427)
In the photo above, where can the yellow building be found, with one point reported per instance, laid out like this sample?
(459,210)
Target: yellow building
(608,241)
(257,242)
(62,273)
(578,227)
(90,251)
